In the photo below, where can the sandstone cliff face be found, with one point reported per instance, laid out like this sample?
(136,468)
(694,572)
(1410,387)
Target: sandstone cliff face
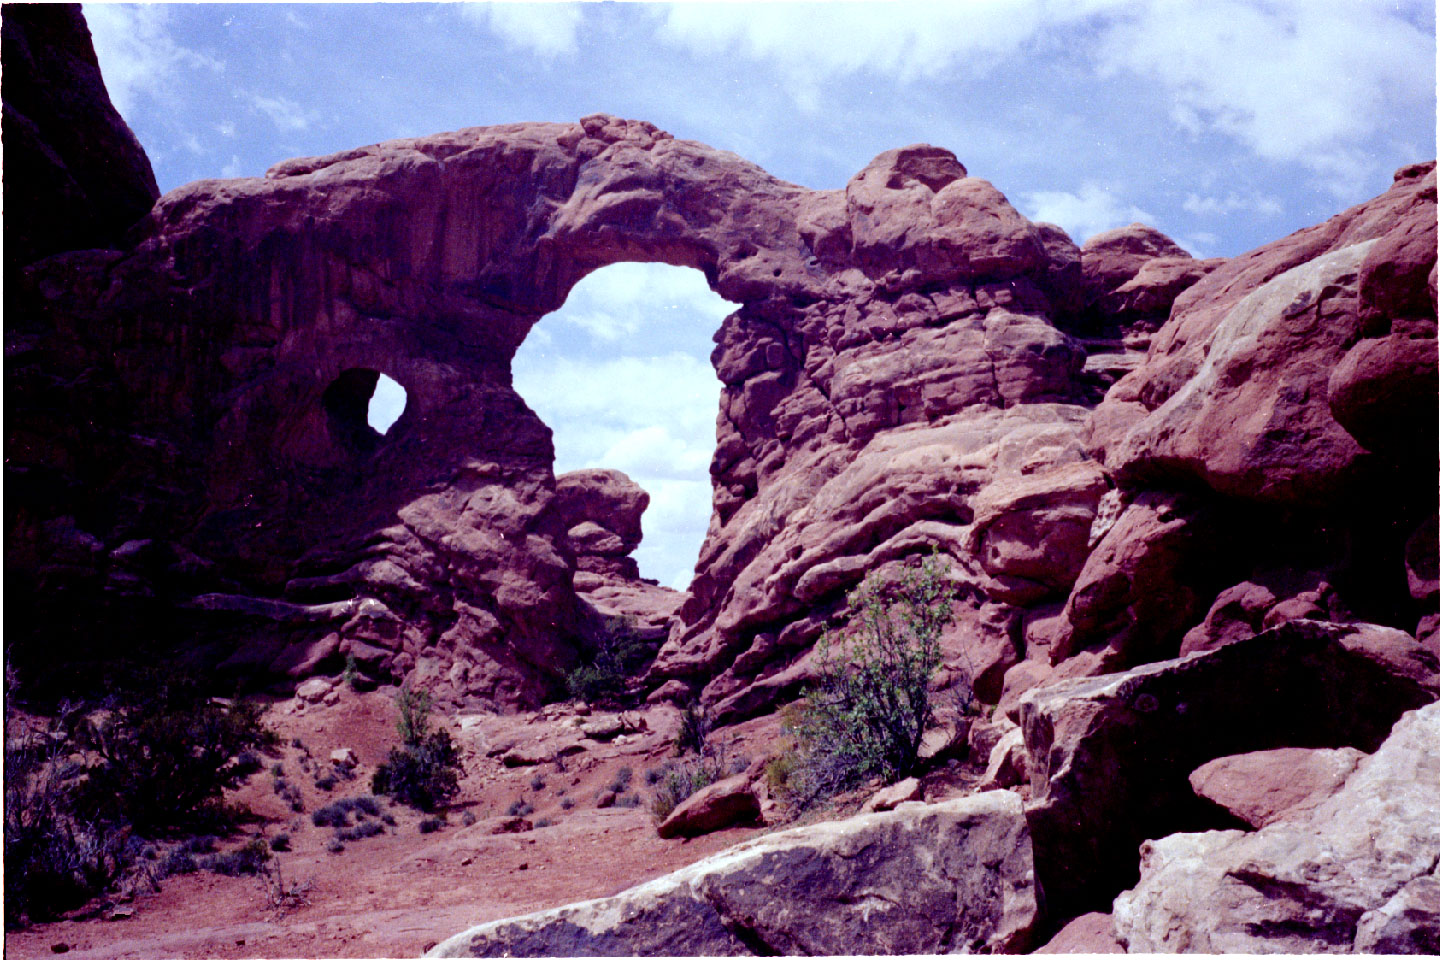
(914,366)
(75,176)
(897,379)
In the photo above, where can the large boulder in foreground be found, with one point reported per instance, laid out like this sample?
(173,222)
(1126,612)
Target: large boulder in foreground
(1358,874)
(1110,756)
(952,877)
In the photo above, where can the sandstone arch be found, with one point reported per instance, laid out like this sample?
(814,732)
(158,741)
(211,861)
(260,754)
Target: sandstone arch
(239,303)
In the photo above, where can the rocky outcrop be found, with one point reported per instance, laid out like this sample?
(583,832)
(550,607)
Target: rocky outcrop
(954,876)
(721,804)
(1109,757)
(75,176)
(1270,785)
(1356,874)
(905,373)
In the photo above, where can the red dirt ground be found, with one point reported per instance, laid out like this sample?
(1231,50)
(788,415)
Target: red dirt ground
(399,893)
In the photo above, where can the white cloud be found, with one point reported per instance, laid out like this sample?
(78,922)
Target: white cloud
(226,128)
(138,56)
(547,29)
(1093,210)
(612,304)
(286,114)
(1256,203)
(1294,80)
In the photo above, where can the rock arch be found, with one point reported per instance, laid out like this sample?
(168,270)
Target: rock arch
(242,302)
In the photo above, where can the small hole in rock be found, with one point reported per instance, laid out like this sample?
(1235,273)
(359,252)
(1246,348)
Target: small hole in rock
(386,404)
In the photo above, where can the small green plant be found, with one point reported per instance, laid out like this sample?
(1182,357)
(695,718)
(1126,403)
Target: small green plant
(619,655)
(425,770)
(350,676)
(866,715)
(694,735)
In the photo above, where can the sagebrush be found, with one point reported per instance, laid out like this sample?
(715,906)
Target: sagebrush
(424,771)
(868,712)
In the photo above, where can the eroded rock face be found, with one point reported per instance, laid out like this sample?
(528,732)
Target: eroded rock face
(188,440)
(1357,874)
(920,879)
(75,176)
(916,303)
(1109,757)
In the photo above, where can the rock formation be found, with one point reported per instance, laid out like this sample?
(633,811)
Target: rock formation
(1189,506)
(949,877)
(1355,874)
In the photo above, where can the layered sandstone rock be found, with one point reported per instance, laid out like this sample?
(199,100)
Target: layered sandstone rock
(75,176)
(243,330)
(920,879)
(1109,757)
(1356,874)
(188,441)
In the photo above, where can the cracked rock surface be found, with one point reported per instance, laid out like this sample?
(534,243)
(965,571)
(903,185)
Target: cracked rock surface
(1356,875)
(948,877)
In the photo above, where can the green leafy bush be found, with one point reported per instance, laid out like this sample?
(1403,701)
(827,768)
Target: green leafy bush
(424,771)
(866,715)
(620,654)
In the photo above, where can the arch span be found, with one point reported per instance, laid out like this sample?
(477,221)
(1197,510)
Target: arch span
(241,302)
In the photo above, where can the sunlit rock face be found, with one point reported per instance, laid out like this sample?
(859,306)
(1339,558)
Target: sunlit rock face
(898,378)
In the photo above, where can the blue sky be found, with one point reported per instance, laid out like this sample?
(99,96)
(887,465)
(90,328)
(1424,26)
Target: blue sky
(1224,123)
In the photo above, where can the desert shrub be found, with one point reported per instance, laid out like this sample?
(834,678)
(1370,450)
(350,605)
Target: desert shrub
(335,845)
(628,800)
(360,831)
(866,715)
(280,843)
(327,782)
(82,795)
(431,824)
(568,803)
(247,764)
(622,779)
(178,861)
(330,815)
(425,770)
(165,752)
(252,858)
(678,781)
(537,782)
(519,808)
(468,818)
(350,676)
(620,654)
(694,735)
(54,862)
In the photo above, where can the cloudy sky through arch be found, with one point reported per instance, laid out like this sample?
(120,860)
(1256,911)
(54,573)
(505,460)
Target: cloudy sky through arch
(1225,123)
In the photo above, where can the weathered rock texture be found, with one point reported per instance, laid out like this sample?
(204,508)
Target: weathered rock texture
(1109,757)
(1270,785)
(75,176)
(899,324)
(1356,874)
(910,369)
(951,877)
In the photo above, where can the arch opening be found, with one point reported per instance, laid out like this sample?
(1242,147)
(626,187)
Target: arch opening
(387,403)
(621,374)
(361,405)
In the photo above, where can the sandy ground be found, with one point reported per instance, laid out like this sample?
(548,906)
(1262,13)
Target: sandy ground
(399,893)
